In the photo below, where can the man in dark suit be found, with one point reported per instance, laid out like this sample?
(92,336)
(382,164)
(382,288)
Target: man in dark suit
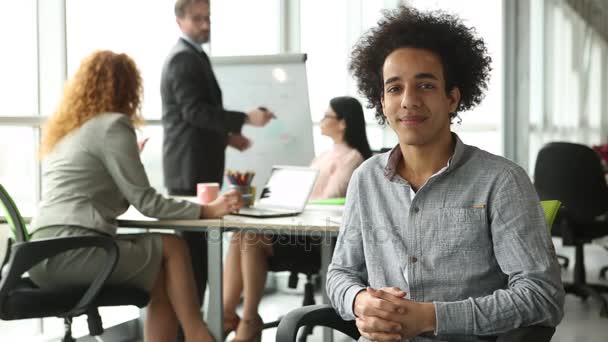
(196,126)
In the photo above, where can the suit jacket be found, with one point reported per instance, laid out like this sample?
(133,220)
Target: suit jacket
(195,123)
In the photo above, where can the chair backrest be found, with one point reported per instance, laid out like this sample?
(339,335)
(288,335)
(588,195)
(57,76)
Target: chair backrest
(573,174)
(13,217)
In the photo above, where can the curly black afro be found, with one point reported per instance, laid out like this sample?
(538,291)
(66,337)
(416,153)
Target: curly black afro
(466,63)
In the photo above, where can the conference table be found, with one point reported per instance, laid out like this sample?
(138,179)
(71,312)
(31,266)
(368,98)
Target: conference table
(320,221)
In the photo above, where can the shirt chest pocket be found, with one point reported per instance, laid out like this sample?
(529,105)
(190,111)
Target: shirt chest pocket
(463,229)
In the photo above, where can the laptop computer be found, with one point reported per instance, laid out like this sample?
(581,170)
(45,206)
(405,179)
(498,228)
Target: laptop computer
(284,194)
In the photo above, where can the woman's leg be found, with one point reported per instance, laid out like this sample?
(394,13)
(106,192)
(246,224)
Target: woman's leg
(161,323)
(180,288)
(255,250)
(233,280)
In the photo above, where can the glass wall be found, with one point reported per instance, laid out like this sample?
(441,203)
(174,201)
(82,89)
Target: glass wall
(328,53)
(18,83)
(18,165)
(146,30)
(19,94)
(241,28)
(572,74)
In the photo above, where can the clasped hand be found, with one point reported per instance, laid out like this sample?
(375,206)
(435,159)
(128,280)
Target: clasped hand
(386,315)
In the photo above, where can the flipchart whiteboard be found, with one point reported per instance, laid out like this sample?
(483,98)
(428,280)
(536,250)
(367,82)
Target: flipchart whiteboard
(279,83)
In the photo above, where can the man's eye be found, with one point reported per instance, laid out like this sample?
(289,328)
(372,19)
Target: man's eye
(392,89)
(427,86)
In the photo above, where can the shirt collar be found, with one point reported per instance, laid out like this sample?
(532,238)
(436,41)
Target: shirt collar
(395,157)
(194,44)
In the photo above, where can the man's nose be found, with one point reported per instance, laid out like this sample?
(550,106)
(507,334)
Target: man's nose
(411,97)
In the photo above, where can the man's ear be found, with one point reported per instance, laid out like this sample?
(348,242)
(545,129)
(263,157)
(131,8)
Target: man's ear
(454,97)
(382,103)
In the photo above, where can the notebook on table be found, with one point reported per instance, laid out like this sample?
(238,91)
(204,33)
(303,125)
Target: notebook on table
(285,193)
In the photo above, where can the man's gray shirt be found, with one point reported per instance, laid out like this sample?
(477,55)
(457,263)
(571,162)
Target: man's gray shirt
(474,240)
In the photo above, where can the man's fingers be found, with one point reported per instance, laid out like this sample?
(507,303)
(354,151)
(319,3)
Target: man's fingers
(395,291)
(378,307)
(375,324)
(387,314)
(384,301)
(396,297)
(380,336)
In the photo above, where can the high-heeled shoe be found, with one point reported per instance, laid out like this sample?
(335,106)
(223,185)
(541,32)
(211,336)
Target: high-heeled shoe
(255,325)
(231,322)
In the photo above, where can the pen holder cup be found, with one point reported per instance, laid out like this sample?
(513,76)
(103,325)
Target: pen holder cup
(247,193)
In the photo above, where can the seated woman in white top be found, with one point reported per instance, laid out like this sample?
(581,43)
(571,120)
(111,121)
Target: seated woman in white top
(92,172)
(247,259)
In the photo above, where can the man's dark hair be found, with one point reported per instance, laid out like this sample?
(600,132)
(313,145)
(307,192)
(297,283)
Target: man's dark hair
(464,57)
(182,5)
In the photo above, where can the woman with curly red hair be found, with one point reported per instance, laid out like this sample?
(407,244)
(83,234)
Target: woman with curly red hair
(92,172)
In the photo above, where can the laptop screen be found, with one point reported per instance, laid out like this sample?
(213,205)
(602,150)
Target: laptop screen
(288,187)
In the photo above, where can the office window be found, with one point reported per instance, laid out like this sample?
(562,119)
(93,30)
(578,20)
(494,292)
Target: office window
(17,166)
(146,30)
(573,74)
(18,61)
(328,30)
(151,155)
(241,27)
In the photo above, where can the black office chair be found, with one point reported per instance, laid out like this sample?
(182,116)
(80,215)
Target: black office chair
(573,174)
(298,255)
(20,298)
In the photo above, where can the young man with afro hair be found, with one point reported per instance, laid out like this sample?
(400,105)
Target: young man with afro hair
(439,240)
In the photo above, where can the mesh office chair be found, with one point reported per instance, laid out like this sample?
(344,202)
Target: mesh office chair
(20,298)
(325,315)
(573,174)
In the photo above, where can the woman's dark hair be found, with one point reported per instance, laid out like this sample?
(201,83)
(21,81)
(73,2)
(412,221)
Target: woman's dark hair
(349,109)
(466,64)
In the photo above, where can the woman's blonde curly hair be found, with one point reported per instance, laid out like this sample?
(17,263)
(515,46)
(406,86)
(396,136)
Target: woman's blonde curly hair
(105,82)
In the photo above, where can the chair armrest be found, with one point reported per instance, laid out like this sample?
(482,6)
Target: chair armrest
(315,315)
(531,333)
(27,254)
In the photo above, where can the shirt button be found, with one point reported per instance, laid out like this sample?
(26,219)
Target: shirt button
(416,209)
(413,259)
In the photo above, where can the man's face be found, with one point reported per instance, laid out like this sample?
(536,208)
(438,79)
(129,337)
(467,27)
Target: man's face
(195,23)
(414,99)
